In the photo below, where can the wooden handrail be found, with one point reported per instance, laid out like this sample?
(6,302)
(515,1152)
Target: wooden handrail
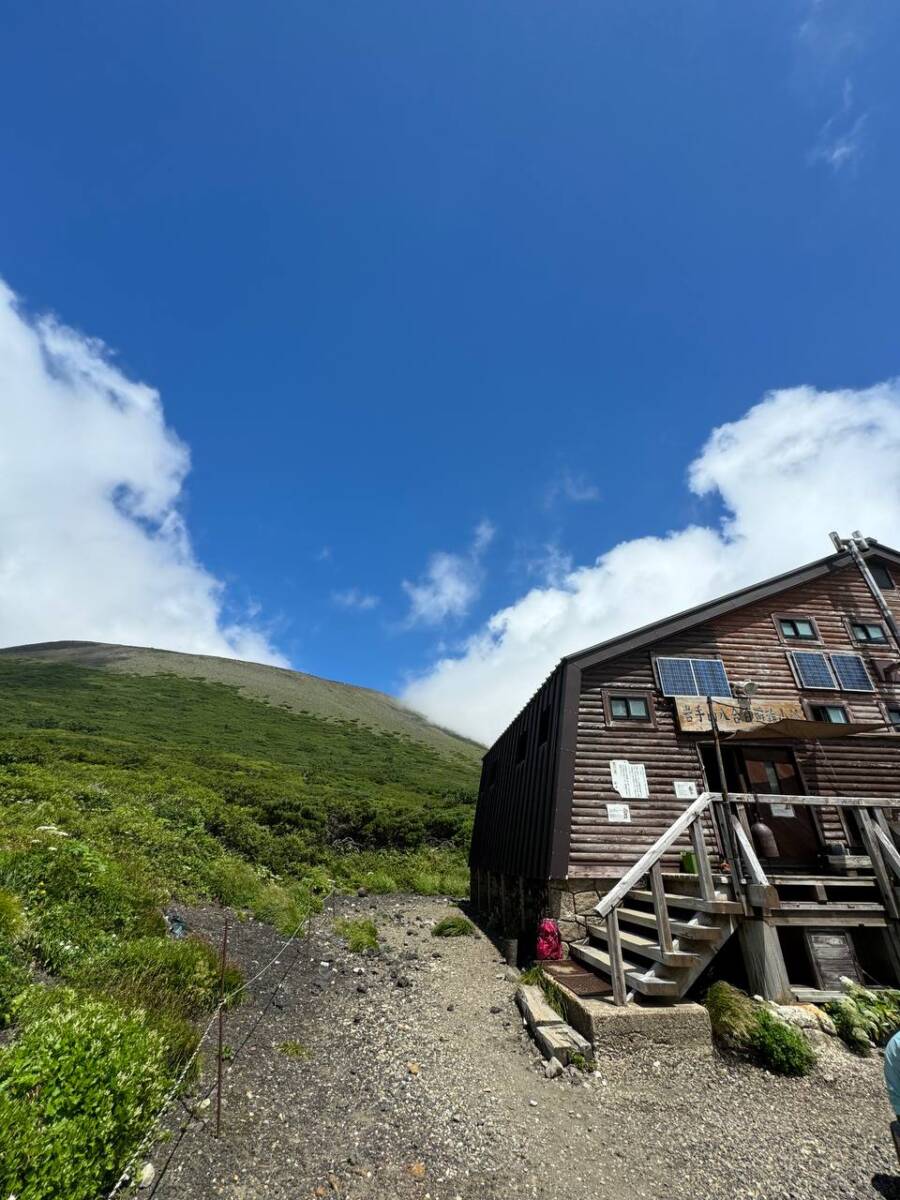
(744,844)
(630,879)
(820,801)
(888,849)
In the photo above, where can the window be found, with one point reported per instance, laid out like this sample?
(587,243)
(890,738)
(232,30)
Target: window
(833,714)
(797,629)
(521,747)
(831,672)
(629,708)
(863,632)
(813,670)
(692,677)
(544,726)
(881,575)
(893,715)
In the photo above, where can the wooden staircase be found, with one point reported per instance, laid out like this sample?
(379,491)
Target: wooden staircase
(654,934)
(662,964)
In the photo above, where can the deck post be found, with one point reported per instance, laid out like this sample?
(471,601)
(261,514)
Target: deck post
(617,968)
(764,961)
(704,871)
(660,911)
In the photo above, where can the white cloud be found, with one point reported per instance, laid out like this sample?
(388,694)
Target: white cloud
(574,488)
(840,140)
(92,543)
(353,598)
(796,465)
(451,584)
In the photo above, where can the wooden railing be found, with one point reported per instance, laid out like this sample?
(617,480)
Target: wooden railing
(650,863)
(750,884)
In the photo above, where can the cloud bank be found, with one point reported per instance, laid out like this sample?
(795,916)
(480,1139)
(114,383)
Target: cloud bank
(796,465)
(92,543)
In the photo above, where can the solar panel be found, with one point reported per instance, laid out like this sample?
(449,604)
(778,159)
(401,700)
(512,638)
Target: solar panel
(692,677)
(813,670)
(676,677)
(711,677)
(851,672)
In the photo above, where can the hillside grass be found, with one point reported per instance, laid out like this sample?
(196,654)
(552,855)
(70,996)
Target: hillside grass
(119,793)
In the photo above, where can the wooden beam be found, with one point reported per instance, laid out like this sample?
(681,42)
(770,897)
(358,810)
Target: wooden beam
(617,967)
(663,928)
(633,876)
(880,870)
(745,845)
(888,849)
(704,871)
(819,801)
(764,961)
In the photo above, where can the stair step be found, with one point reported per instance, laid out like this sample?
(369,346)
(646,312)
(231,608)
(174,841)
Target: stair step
(831,909)
(647,985)
(680,929)
(695,903)
(828,881)
(646,947)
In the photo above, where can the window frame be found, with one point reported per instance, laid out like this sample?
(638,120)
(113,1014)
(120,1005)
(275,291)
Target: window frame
(691,658)
(849,622)
(608,694)
(891,585)
(884,705)
(778,617)
(810,705)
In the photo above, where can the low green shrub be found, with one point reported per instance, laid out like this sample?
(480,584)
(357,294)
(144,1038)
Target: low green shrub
(12,919)
(864,1018)
(279,906)
(747,1027)
(14,978)
(360,934)
(78,1087)
(180,978)
(294,1050)
(233,881)
(455,926)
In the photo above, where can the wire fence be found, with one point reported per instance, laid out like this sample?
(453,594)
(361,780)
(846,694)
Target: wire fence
(125,1178)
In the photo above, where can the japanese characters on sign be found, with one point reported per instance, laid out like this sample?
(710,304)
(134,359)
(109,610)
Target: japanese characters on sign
(629,779)
(693,713)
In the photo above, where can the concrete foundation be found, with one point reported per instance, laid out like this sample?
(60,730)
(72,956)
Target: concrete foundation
(621,1030)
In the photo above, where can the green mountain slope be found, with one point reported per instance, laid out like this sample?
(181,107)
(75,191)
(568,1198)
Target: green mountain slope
(292,689)
(122,787)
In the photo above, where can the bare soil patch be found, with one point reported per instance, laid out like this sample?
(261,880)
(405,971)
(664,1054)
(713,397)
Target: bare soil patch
(409,1074)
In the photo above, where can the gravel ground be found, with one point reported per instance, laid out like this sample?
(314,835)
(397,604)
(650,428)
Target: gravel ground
(419,1081)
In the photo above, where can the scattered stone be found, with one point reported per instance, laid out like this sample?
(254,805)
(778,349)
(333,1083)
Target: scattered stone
(553,1068)
(147,1175)
(417,1170)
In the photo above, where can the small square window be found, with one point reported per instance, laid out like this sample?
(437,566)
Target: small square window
(629,708)
(893,715)
(881,575)
(521,747)
(863,632)
(833,714)
(797,629)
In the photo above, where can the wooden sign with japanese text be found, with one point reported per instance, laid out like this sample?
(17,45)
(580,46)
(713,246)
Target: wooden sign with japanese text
(692,713)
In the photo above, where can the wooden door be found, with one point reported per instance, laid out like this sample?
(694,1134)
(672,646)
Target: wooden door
(793,826)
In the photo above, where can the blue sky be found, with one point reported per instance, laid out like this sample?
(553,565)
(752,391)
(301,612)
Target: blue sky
(472,279)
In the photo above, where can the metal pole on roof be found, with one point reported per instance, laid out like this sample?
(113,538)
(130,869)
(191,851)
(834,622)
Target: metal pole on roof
(854,545)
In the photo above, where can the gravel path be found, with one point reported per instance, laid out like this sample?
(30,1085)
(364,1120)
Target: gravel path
(418,1081)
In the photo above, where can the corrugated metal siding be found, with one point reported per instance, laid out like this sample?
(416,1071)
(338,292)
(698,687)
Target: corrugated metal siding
(749,646)
(513,829)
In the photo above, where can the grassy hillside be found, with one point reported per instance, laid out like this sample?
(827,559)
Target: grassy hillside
(119,791)
(305,694)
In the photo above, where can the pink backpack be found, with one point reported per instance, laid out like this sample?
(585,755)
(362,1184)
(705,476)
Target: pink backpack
(549,943)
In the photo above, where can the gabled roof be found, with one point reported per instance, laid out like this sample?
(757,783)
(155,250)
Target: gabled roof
(658,630)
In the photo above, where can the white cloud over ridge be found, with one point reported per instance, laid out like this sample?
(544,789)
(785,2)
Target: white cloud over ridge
(451,582)
(92,542)
(796,465)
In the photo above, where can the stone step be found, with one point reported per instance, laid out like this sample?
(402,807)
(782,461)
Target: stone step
(645,947)
(635,977)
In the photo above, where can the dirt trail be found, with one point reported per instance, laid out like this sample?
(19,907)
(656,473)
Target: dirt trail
(420,1082)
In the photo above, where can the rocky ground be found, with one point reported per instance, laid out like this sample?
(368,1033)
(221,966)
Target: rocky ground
(407,1073)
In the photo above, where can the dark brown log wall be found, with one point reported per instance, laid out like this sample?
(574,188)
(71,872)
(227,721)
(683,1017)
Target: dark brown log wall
(747,641)
(513,831)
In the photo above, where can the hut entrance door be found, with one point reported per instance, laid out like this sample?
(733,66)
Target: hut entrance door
(773,771)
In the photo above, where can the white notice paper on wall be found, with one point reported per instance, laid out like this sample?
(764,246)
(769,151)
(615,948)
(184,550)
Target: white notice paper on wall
(782,810)
(618,814)
(685,789)
(629,779)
